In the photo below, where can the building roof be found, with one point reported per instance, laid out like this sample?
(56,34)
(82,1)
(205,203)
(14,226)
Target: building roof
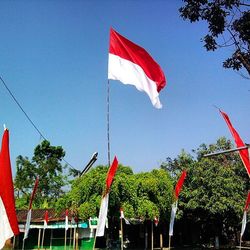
(37,215)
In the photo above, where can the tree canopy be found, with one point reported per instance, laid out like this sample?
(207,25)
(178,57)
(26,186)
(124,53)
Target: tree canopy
(142,195)
(228,26)
(214,191)
(45,164)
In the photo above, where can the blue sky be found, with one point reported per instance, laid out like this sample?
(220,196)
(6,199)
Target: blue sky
(54,55)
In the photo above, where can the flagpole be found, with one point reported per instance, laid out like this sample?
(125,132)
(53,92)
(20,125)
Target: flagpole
(108,118)
(169,244)
(152,235)
(65,239)
(43,238)
(240,242)
(39,237)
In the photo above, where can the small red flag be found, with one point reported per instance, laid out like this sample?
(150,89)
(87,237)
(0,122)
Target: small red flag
(111,174)
(180,183)
(244,154)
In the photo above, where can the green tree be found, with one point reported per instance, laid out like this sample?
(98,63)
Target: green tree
(228,26)
(46,163)
(214,192)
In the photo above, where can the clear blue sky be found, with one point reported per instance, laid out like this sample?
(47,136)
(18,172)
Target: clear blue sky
(54,54)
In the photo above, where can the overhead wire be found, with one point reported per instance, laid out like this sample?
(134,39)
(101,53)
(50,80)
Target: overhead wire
(26,115)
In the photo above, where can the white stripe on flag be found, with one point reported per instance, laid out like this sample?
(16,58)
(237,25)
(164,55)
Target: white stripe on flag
(130,73)
(173,213)
(244,223)
(66,223)
(102,215)
(27,225)
(5,228)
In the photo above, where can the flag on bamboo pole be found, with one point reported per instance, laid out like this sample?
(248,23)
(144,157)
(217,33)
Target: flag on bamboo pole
(46,219)
(132,64)
(27,225)
(244,219)
(8,218)
(123,217)
(105,199)
(66,219)
(244,153)
(178,188)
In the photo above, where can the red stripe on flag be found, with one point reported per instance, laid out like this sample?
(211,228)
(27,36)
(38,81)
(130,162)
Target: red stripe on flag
(180,183)
(247,201)
(6,183)
(46,216)
(111,174)
(124,48)
(33,192)
(244,154)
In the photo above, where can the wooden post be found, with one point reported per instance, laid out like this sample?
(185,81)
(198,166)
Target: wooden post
(146,235)
(43,238)
(152,235)
(39,237)
(51,238)
(169,243)
(121,234)
(161,245)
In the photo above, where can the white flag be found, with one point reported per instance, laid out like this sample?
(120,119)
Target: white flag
(244,223)
(102,215)
(27,225)
(173,213)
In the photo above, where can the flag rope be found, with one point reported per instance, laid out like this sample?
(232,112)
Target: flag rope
(108,118)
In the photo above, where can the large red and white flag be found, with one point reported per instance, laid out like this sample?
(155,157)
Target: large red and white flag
(131,64)
(178,188)
(244,153)
(244,219)
(8,218)
(105,199)
(28,219)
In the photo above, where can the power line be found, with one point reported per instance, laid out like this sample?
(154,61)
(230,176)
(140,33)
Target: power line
(29,119)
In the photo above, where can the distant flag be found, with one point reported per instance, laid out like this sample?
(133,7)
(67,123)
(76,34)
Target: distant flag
(178,188)
(179,184)
(244,219)
(46,219)
(244,153)
(27,225)
(105,199)
(123,217)
(8,218)
(156,221)
(66,219)
(131,64)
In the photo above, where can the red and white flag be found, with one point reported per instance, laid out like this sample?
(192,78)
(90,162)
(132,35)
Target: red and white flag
(244,153)
(244,219)
(27,225)
(46,219)
(123,217)
(105,199)
(66,219)
(178,188)
(131,64)
(8,218)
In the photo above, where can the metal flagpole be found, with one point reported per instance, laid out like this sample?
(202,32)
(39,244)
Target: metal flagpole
(227,151)
(108,90)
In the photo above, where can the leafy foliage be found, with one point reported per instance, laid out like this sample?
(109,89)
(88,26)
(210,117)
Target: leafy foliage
(46,163)
(228,26)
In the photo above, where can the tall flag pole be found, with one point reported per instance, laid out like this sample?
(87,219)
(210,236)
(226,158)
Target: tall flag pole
(66,227)
(45,225)
(178,188)
(28,219)
(244,219)
(244,153)
(105,199)
(8,218)
(133,65)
